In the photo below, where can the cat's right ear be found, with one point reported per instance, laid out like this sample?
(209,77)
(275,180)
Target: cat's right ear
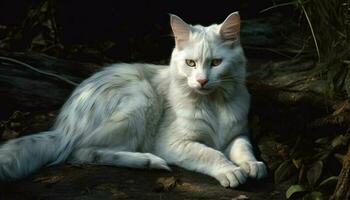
(230,28)
(181,30)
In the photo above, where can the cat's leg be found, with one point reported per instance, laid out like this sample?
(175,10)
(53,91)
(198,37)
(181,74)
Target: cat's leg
(240,151)
(113,157)
(198,157)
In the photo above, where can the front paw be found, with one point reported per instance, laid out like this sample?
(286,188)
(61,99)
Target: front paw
(231,176)
(254,169)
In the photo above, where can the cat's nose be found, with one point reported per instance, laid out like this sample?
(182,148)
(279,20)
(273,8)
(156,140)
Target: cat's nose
(202,81)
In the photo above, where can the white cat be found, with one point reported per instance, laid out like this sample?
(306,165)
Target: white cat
(192,114)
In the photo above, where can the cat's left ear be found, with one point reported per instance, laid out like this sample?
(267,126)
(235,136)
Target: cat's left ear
(180,29)
(230,28)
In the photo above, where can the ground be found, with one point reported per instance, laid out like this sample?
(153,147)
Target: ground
(103,182)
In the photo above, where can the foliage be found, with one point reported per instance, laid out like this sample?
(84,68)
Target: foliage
(331,23)
(308,167)
(38,30)
(306,163)
(327,26)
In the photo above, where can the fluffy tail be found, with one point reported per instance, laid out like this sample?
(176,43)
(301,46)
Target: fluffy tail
(22,156)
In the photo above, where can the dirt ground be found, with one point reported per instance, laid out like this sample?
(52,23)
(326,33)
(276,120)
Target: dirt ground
(103,182)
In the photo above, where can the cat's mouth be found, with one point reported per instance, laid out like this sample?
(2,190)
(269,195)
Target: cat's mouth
(204,91)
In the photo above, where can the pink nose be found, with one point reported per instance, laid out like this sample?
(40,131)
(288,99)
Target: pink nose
(202,81)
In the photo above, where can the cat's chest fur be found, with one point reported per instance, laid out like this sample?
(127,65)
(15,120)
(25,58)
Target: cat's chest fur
(217,123)
(214,122)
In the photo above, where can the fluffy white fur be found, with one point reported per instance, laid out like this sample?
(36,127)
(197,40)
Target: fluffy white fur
(149,116)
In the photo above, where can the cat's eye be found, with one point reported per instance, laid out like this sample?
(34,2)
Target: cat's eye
(190,63)
(216,62)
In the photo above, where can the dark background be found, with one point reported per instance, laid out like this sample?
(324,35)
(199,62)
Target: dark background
(300,96)
(108,31)
(137,28)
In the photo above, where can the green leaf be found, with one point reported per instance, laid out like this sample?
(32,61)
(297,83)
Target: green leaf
(322,155)
(313,196)
(294,191)
(284,171)
(314,173)
(323,140)
(329,182)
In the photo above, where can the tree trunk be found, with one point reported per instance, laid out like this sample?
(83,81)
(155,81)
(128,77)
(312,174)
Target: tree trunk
(342,191)
(25,89)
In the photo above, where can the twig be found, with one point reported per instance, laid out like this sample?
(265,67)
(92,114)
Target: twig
(276,6)
(268,49)
(38,70)
(300,51)
(294,83)
(342,189)
(312,31)
(307,18)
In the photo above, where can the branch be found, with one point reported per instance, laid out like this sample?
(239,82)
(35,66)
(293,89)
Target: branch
(38,70)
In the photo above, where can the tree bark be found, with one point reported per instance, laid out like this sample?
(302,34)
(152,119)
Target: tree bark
(24,89)
(342,190)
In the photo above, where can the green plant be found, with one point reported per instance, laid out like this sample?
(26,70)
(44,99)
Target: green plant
(315,189)
(306,169)
(330,23)
(326,25)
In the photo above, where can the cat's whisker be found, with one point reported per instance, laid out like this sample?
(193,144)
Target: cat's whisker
(236,81)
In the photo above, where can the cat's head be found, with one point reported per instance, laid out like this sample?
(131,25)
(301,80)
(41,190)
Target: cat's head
(208,58)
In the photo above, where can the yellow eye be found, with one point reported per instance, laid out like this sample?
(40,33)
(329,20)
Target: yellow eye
(190,63)
(216,62)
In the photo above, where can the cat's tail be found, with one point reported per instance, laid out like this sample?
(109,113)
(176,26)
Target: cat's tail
(22,156)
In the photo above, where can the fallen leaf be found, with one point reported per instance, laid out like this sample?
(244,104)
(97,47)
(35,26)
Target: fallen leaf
(340,140)
(188,187)
(342,107)
(282,151)
(165,184)
(240,197)
(18,115)
(49,179)
(112,188)
(297,163)
(15,124)
(323,140)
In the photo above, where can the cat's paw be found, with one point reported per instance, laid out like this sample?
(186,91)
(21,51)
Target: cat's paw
(155,162)
(231,176)
(255,169)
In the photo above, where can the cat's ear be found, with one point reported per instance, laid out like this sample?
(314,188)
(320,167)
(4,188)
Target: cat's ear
(230,28)
(180,29)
